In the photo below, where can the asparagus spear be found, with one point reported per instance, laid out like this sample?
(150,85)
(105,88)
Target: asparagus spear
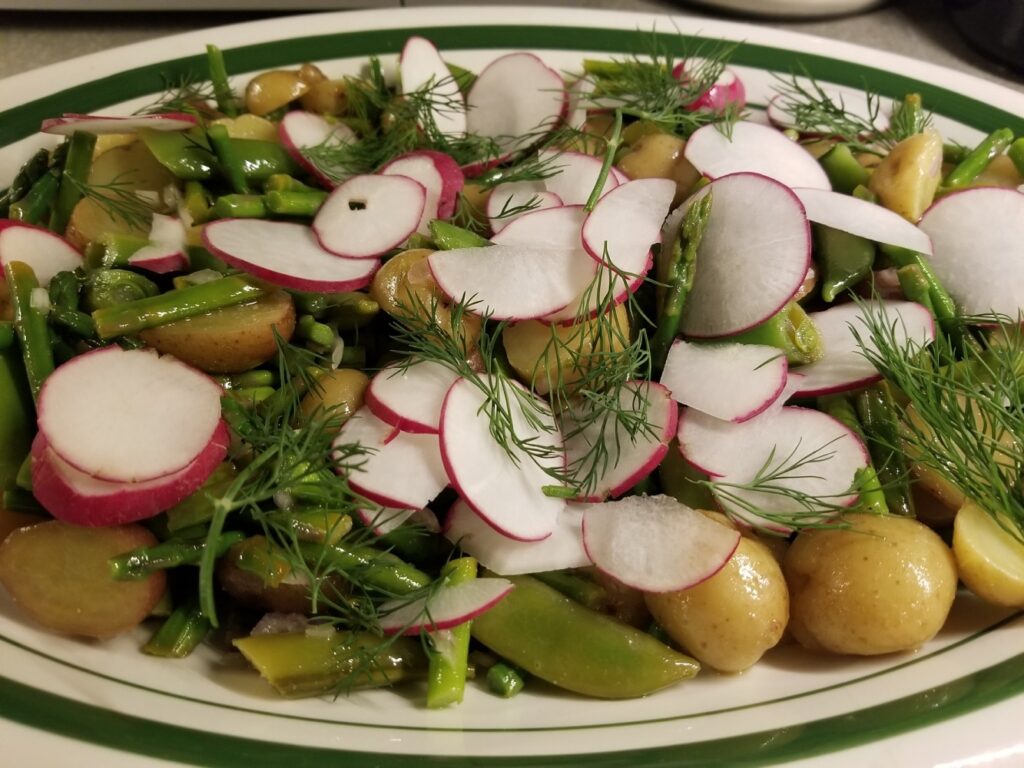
(76,173)
(448,656)
(977,159)
(30,325)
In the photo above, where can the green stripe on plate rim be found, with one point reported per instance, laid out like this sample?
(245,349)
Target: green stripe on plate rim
(93,724)
(24,120)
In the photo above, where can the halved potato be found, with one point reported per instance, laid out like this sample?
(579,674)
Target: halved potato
(990,560)
(907,179)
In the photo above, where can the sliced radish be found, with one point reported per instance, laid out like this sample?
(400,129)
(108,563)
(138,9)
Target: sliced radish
(166,251)
(441,178)
(367,216)
(753,148)
(46,252)
(655,543)
(576,177)
(861,218)
(422,69)
(286,254)
(301,131)
(508,557)
(978,238)
(387,519)
(510,201)
(726,91)
(410,397)
(753,258)
(631,454)
(515,100)
(506,490)
(627,221)
(496,275)
(810,458)
(579,97)
(69,122)
(75,497)
(844,366)
(852,101)
(403,469)
(557,229)
(147,416)
(446,607)
(734,382)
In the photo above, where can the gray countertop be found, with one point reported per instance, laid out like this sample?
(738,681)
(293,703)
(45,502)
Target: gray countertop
(916,28)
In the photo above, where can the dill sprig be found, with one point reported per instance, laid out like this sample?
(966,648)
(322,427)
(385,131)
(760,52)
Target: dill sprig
(118,200)
(969,411)
(189,94)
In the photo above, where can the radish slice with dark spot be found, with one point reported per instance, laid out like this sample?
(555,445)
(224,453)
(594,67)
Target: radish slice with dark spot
(978,239)
(861,218)
(734,382)
(410,398)
(655,543)
(368,216)
(844,367)
(447,607)
(422,69)
(286,254)
(753,148)
(68,123)
(508,557)
(46,252)
(300,131)
(505,490)
(147,416)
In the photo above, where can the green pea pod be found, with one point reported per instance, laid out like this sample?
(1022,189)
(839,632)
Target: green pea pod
(843,170)
(448,237)
(186,154)
(792,331)
(844,259)
(977,159)
(560,641)
(1016,154)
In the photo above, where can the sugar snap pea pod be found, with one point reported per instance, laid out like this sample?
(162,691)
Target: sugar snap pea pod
(239,207)
(676,272)
(843,170)
(448,656)
(140,563)
(34,207)
(76,173)
(881,422)
(505,680)
(977,159)
(177,304)
(558,640)
(790,330)
(349,310)
(228,160)
(448,237)
(1016,154)
(294,203)
(325,661)
(226,101)
(17,420)
(119,247)
(841,408)
(186,154)
(383,570)
(416,544)
(106,288)
(318,335)
(872,496)
(582,590)
(27,175)
(30,325)
(259,160)
(180,634)
(843,258)
(861,192)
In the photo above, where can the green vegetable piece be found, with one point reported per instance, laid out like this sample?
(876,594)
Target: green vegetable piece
(34,207)
(915,285)
(78,323)
(843,170)
(314,663)
(863,193)
(505,680)
(108,288)
(909,118)
(463,77)
(844,259)
(226,101)
(76,173)
(294,203)
(282,182)
(140,563)
(119,247)
(448,237)
(30,325)
(240,207)
(881,420)
(318,336)
(24,179)
(230,162)
(6,334)
(841,408)
(560,641)
(1016,154)
(197,509)
(186,154)
(680,480)
(64,288)
(135,316)
(792,331)
(17,420)
(197,202)
(180,634)
(578,588)
(872,497)
(448,656)
(977,159)
(382,570)
(259,160)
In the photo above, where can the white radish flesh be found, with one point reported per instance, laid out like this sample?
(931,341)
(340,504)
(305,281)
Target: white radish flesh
(978,240)
(753,257)
(452,179)
(369,215)
(410,398)
(387,519)
(844,366)
(286,254)
(627,221)
(734,382)
(558,229)
(752,148)
(100,124)
(46,252)
(861,218)
(515,100)
(403,469)
(630,457)
(421,167)
(512,200)
(423,70)
(576,176)
(147,416)
(447,607)
(166,251)
(505,491)
(300,131)
(508,557)
(655,543)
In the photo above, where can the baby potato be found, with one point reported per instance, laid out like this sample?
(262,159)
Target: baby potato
(660,155)
(883,585)
(272,90)
(990,560)
(229,340)
(341,391)
(906,180)
(729,621)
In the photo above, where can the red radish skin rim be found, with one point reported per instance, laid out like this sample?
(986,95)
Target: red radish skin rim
(12,224)
(420,626)
(162,264)
(453,178)
(387,414)
(680,422)
(295,152)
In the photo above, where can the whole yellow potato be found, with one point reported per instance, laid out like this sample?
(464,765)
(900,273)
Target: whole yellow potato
(882,585)
(660,155)
(729,621)
(907,179)
(990,560)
